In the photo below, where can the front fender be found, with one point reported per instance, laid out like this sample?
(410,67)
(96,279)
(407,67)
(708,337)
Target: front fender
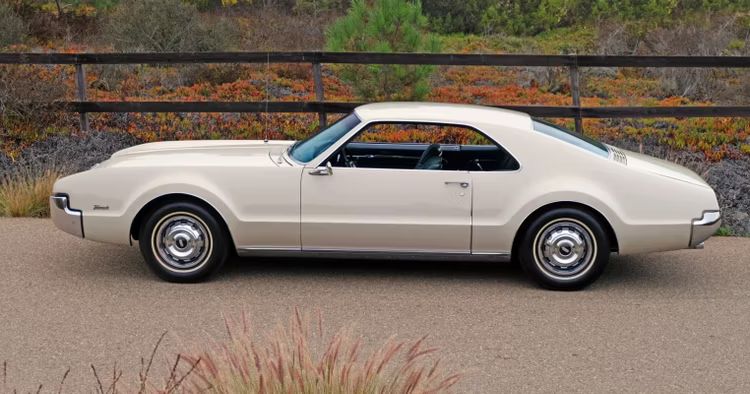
(110,198)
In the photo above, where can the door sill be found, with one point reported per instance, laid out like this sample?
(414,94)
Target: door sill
(372,254)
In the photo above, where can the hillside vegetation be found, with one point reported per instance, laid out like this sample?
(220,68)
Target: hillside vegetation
(706,27)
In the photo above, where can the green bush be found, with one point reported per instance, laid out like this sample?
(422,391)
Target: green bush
(205,5)
(13,30)
(166,26)
(530,17)
(384,26)
(527,17)
(451,16)
(318,6)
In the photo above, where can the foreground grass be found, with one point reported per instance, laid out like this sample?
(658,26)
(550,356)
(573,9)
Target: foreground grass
(295,358)
(25,192)
(724,232)
(301,359)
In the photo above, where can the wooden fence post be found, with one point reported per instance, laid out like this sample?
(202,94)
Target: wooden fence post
(81,92)
(318,82)
(575,91)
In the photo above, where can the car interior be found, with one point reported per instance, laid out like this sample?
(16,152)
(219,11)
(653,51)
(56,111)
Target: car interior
(440,152)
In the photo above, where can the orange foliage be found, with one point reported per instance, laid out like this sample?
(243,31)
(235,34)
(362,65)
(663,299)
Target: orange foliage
(715,137)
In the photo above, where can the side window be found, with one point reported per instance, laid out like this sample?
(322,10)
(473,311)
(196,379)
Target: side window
(423,146)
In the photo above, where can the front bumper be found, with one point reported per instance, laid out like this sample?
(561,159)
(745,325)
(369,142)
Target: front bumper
(704,227)
(65,218)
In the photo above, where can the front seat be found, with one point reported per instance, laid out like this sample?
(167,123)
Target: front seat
(431,159)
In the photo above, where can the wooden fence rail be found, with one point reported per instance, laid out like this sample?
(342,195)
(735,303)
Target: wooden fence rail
(320,106)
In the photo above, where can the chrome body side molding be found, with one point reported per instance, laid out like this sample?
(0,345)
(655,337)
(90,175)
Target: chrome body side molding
(371,254)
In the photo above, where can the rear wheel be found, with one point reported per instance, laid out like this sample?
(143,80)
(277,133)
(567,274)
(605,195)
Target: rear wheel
(183,242)
(564,249)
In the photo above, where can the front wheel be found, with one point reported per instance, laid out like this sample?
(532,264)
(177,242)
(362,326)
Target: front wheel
(564,249)
(183,242)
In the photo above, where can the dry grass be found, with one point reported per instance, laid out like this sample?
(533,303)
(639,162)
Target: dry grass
(25,192)
(299,358)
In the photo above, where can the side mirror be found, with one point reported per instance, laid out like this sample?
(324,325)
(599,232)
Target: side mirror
(322,170)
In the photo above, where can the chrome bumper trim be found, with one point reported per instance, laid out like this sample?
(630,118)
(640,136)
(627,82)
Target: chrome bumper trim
(703,228)
(65,218)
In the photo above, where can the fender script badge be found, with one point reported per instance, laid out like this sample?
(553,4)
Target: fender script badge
(101,207)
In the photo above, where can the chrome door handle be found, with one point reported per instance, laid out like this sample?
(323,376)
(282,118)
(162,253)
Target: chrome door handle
(462,184)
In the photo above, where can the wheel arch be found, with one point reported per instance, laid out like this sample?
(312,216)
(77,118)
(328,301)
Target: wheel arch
(611,235)
(162,200)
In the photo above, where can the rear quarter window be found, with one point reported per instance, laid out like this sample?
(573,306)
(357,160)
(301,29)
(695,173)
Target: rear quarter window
(571,137)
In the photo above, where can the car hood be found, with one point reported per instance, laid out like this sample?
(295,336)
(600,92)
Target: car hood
(206,146)
(201,153)
(641,162)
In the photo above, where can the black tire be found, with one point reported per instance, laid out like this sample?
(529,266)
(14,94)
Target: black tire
(183,242)
(564,249)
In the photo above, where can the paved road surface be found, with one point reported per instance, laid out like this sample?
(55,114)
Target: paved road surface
(669,322)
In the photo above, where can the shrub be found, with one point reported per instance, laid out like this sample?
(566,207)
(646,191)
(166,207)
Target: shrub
(530,17)
(318,6)
(29,102)
(25,192)
(724,232)
(384,26)
(708,35)
(548,79)
(450,16)
(692,38)
(69,21)
(204,5)
(215,74)
(525,17)
(274,29)
(166,26)
(13,30)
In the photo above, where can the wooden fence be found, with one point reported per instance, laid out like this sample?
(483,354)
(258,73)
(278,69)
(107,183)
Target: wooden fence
(320,106)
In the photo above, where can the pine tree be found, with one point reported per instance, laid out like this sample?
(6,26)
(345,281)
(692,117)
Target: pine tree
(384,26)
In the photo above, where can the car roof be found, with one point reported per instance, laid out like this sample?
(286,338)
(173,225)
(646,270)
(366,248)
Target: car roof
(442,113)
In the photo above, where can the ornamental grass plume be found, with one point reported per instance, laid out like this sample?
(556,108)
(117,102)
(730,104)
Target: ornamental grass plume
(25,192)
(300,358)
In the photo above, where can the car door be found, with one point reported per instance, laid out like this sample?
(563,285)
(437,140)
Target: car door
(385,209)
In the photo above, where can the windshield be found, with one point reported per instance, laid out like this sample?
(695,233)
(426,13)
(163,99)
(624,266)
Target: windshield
(308,149)
(571,137)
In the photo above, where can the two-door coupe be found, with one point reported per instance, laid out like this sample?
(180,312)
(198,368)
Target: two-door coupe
(393,180)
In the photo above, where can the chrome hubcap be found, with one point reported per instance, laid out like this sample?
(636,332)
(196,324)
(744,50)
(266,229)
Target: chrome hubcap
(565,248)
(182,241)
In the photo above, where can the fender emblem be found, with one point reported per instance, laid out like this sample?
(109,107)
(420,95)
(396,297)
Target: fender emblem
(101,207)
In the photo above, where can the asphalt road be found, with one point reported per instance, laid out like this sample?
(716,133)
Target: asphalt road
(668,322)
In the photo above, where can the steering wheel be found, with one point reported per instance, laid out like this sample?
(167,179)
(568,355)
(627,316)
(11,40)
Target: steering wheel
(431,159)
(345,158)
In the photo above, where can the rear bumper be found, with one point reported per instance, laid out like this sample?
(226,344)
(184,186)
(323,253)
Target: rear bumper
(65,218)
(704,227)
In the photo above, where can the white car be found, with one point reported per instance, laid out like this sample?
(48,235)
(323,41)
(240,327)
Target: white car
(393,180)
